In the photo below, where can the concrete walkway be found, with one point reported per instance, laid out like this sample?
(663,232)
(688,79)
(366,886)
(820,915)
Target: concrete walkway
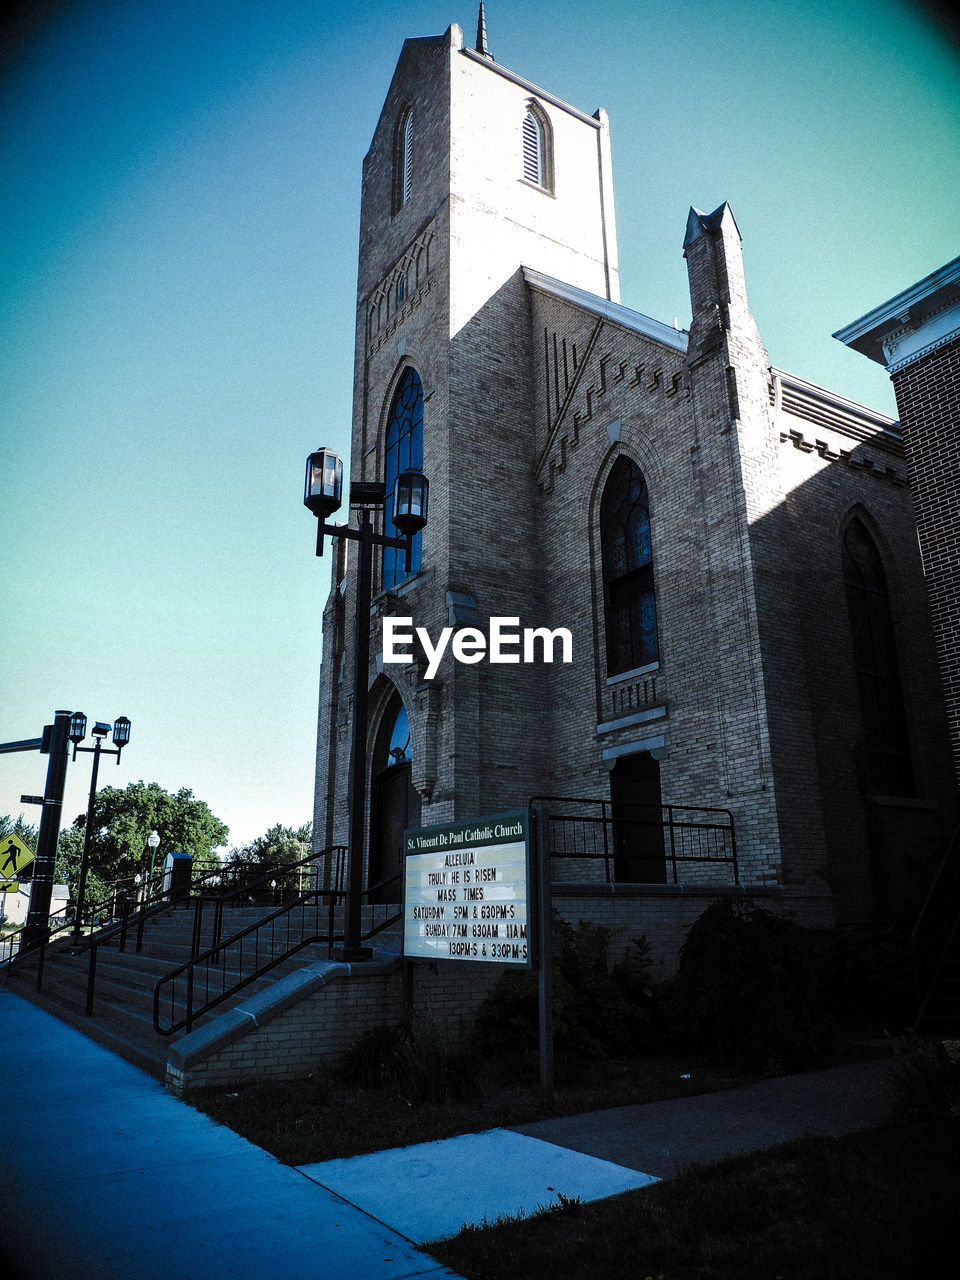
(106,1176)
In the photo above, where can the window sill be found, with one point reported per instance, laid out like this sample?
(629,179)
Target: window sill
(535,186)
(402,589)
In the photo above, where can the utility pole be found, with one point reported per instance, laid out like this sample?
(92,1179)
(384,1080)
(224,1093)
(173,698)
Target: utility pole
(55,743)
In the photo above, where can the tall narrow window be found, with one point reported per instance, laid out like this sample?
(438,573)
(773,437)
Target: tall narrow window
(630,607)
(403,159)
(875,657)
(404,448)
(534,149)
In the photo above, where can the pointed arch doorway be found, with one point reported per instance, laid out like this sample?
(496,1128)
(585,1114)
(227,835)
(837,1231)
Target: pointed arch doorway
(394,804)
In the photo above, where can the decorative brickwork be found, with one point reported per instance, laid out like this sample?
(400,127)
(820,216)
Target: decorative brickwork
(536,381)
(928,396)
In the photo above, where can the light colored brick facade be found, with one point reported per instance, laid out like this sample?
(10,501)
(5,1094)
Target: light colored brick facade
(536,381)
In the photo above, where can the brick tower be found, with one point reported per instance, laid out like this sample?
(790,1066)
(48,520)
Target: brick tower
(711,531)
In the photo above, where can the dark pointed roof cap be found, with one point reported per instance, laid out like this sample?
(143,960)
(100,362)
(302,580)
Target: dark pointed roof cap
(700,223)
(482,35)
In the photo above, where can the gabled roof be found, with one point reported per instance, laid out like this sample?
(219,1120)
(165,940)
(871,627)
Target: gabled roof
(613,311)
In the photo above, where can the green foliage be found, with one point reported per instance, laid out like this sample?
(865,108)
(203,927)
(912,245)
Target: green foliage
(66,871)
(26,831)
(595,1010)
(926,1080)
(420,1059)
(279,846)
(123,819)
(748,987)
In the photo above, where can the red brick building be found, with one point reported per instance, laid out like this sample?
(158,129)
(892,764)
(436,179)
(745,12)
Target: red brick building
(916,336)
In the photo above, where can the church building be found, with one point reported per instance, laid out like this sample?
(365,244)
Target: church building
(746,700)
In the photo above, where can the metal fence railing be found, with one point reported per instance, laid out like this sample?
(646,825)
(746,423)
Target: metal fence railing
(212,976)
(637,843)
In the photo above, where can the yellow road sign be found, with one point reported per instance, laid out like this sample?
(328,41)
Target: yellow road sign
(14,856)
(9,886)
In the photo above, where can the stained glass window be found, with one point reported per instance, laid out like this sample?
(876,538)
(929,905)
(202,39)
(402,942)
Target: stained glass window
(630,604)
(404,448)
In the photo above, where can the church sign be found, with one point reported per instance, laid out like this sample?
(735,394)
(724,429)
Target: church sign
(466,891)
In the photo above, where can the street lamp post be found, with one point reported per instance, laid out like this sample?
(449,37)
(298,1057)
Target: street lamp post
(153,840)
(323,496)
(54,743)
(77,732)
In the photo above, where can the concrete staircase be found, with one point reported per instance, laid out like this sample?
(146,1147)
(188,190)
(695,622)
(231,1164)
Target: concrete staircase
(122,1018)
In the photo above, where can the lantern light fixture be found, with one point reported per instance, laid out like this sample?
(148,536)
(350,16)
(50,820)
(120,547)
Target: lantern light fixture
(121,732)
(323,487)
(78,727)
(410,497)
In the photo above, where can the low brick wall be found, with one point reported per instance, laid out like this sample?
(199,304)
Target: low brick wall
(663,914)
(310,1018)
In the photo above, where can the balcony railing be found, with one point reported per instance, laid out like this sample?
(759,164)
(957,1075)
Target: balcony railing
(637,843)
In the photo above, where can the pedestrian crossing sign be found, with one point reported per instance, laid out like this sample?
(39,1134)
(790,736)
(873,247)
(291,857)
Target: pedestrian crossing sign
(14,856)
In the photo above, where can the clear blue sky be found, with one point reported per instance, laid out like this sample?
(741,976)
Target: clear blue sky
(178,237)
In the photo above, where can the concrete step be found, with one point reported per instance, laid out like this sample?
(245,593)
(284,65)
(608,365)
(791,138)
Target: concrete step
(122,1019)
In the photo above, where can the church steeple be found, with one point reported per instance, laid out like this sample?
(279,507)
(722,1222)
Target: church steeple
(482,35)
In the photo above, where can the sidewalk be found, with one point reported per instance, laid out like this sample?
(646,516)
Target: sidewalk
(109,1177)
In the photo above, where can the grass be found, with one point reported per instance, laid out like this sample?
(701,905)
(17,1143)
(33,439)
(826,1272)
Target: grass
(879,1205)
(324,1119)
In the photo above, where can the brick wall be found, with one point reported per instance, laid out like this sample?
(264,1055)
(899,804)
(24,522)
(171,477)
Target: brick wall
(928,397)
(532,392)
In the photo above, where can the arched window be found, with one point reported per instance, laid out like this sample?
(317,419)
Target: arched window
(404,449)
(403,159)
(537,167)
(889,769)
(629,604)
(394,802)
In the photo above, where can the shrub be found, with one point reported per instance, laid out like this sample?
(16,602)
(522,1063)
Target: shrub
(420,1058)
(926,1080)
(595,1010)
(747,987)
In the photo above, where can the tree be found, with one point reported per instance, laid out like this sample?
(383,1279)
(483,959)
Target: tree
(279,846)
(17,827)
(123,819)
(67,870)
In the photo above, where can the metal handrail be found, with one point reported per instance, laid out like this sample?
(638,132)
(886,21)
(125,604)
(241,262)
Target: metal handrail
(214,960)
(17,953)
(170,900)
(673,820)
(211,877)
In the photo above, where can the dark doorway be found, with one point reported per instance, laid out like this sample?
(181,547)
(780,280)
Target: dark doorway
(638,820)
(394,804)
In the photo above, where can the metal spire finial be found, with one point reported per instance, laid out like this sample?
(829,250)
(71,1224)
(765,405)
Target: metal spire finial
(482,35)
